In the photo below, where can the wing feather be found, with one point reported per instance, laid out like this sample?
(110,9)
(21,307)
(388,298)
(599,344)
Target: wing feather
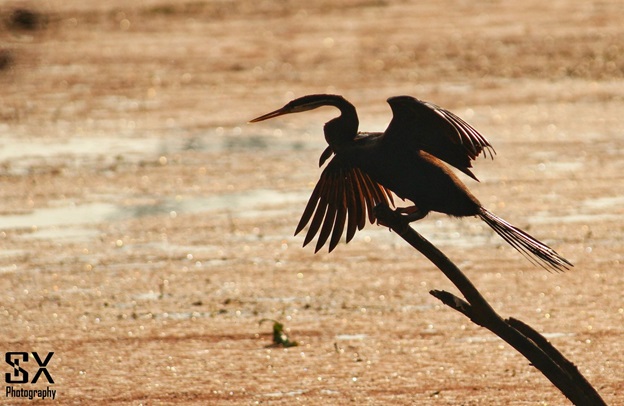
(366,193)
(344,195)
(425,126)
(341,215)
(360,212)
(330,216)
(321,209)
(352,208)
(309,209)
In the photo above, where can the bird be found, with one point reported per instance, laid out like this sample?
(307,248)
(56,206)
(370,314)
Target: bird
(409,159)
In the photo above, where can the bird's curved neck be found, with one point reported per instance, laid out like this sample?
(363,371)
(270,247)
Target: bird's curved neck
(341,131)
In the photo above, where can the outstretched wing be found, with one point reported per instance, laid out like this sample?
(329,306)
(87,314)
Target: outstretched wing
(425,126)
(343,195)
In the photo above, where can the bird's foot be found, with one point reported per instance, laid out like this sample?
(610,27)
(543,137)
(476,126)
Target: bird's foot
(411,213)
(401,216)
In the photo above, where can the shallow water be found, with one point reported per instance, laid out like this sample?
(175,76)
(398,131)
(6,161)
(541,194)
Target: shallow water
(68,221)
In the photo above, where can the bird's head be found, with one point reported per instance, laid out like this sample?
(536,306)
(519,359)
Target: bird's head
(306,103)
(338,131)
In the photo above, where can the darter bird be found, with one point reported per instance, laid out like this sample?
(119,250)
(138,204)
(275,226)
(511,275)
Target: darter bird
(408,160)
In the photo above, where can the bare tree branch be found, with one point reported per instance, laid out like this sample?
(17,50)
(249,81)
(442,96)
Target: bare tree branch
(545,357)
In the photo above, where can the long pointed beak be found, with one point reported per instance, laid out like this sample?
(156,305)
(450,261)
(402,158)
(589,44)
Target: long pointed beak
(272,114)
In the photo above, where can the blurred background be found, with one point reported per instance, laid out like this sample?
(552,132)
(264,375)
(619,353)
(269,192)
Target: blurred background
(146,228)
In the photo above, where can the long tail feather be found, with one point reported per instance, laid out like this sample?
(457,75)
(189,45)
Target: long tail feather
(534,250)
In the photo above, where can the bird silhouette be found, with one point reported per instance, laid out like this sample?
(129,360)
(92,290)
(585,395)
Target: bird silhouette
(407,159)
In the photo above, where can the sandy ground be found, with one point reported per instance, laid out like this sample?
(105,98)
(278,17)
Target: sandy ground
(146,229)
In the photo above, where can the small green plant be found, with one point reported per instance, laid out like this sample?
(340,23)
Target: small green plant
(280,339)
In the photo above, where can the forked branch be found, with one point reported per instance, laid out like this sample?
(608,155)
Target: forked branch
(526,340)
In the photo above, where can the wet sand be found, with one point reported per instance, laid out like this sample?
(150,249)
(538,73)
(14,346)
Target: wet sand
(146,228)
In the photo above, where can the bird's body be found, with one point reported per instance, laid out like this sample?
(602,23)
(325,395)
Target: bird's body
(439,189)
(407,159)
